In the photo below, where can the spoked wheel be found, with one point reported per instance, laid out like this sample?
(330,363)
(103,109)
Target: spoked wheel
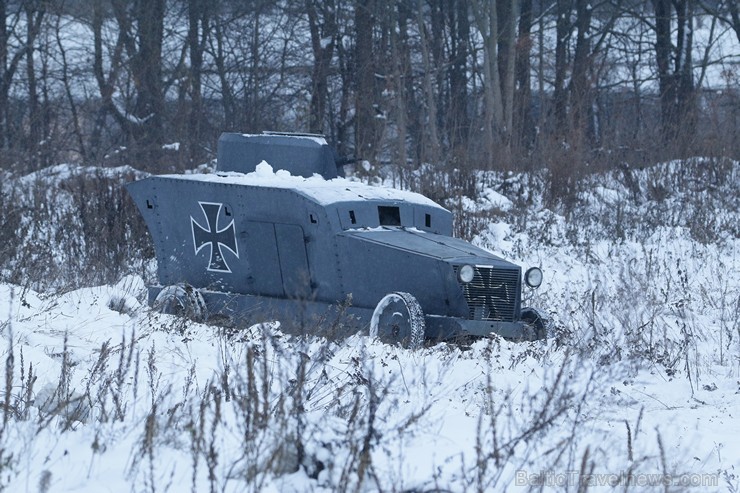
(398,319)
(182,300)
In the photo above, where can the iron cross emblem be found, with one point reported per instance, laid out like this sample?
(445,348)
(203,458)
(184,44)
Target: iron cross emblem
(210,235)
(488,292)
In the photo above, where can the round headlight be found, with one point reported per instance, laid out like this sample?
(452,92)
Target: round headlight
(466,273)
(533,277)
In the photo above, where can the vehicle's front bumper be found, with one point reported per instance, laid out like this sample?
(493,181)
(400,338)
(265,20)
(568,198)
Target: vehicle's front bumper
(444,328)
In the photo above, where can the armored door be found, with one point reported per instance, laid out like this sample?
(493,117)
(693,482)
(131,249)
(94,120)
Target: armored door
(293,260)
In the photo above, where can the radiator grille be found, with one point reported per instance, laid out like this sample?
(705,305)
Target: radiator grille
(492,294)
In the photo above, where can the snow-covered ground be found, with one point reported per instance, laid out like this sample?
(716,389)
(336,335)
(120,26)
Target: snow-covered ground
(637,389)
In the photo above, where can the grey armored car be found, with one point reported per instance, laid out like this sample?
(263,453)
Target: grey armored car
(293,241)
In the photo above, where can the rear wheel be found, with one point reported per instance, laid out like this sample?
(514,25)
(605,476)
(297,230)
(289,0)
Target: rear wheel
(182,300)
(398,319)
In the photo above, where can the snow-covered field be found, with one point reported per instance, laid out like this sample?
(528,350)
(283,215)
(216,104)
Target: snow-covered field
(637,389)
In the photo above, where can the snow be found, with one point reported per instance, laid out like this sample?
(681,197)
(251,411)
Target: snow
(175,146)
(61,172)
(383,228)
(318,139)
(640,381)
(316,188)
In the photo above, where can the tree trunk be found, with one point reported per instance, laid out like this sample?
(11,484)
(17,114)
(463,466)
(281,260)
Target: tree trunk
(676,82)
(323,37)
(147,69)
(429,143)
(735,16)
(685,90)
(144,125)
(9,63)
(343,121)
(252,101)
(4,85)
(412,124)
(198,28)
(106,83)
(399,50)
(523,92)
(580,91)
(364,73)
(508,12)
(67,83)
(438,61)
(457,119)
(34,114)
(560,96)
(487,20)
(663,49)
(228,100)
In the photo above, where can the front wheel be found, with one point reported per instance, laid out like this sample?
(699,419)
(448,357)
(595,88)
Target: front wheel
(182,300)
(537,321)
(398,319)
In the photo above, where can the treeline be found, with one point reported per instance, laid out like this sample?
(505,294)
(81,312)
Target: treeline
(567,84)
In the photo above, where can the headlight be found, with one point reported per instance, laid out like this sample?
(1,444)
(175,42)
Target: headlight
(533,277)
(466,273)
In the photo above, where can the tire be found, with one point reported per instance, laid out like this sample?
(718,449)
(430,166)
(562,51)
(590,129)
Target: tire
(399,320)
(538,322)
(182,300)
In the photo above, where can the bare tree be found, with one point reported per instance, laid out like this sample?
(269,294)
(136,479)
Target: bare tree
(447,83)
(429,142)
(457,115)
(322,21)
(400,60)
(674,63)
(66,80)
(137,53)
(522,114)
(507,18)
(734,16)
(367,131)
(341,108)
(258,63)
(34,14)
(563,31)
(11,55)
(142,30)
(496,23)
(219,51)
(580,91)
(198,27)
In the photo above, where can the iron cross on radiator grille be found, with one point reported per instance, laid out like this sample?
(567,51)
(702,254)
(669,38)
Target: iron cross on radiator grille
(491,295)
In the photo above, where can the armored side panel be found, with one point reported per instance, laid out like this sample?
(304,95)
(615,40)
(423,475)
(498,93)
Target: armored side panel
(301,155)
(238,239)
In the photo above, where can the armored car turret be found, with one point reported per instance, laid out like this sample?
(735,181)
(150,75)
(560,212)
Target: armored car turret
(277,232)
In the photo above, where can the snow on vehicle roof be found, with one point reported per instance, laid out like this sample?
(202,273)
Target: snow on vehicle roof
(316,188)
(319,139)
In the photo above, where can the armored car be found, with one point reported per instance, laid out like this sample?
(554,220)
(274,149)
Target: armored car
(278,233)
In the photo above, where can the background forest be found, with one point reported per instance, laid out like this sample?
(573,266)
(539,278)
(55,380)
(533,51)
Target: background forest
(571,85)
